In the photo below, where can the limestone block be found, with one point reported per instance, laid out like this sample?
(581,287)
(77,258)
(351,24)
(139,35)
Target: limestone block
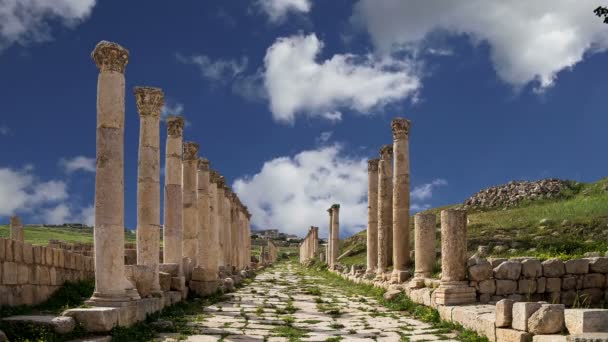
(28,254)
(3,249)
(568,283)
(531,268)
(590,337)
(172,269)
(526,286)
(27,295)
(8,250)
(9,273)
(95,319)
(510,335)
(579,321)
(481,270)
(67,260)
(505,287)
(176,296)
(37,251)
(568,297)
(553,285)
(143,278)
(17,251)
(48,257)
(445,312)
(203,288)
(131,314)
(549,319)
(130,256)
(591,296)
(178,283)
(577,266)
(487,286)
(510,270)
(522,312)
(594,280)
(54,276)
(598,265)
(61,324)
(553,268)
(549,338)
(164,280)
(202,274)
(541,285)
(479,318)
(504,313)
(484,298)
(23,274)
(56,253)
(496,261)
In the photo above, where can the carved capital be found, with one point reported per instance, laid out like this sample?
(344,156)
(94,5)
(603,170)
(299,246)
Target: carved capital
(175,126)
(203,164)
(190,150)
(335,206)
(372,164)
(149,100)
(110,56)
(213,176)
(221,182)
(401,128)
(386,152)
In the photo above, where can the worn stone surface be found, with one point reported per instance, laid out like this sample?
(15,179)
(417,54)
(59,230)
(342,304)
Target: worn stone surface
(509,270)
(521,313)
(510,335)
(504,313)
(553,268)
(579,321)
(549,319)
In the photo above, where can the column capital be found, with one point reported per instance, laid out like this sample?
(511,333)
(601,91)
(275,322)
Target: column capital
(386,152)
(110,56)
(329,210)
(190,150)
(401,128)
(214,176)
(149,100)
(175,125)
(335,206)
(221,182)
(372,164)
(203,164)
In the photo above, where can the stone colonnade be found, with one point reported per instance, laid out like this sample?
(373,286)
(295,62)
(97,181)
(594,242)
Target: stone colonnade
(310,245)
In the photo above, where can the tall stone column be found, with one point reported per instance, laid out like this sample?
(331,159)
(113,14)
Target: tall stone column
(454,289)
(228,227)
(424,244)
(248,227)
(204,221)
(16,229)
(221,222)
(335,232)
(329,240)
(214,237)
(385,208)
(149,104)
(189,201)
(111,285)
(234,227)
(372,216)
(172,229)
(401,199)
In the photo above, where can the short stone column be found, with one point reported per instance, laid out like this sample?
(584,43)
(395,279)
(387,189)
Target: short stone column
(214,236)
(190,201)
(454,289)
(149,104)
(172,228)
(16,229)
(372,216)
(221,222)
(329,241)
(424,247)
(385,208)
(111,286)
(401,199)
(335,233)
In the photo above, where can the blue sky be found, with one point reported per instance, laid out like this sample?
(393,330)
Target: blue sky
(289,98)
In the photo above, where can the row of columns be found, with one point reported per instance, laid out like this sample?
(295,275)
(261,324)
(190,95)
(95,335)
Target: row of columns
(206,226)
(310,245)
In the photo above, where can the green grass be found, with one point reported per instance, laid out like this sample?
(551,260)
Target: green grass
(42,235)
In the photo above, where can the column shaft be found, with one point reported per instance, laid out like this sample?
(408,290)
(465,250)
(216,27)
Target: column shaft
(214,237)
(190,201)
(372,215)
(453,245)
(16,229)
(203,257)
(228,228)
(424,244)
(329,239)
(401,198)
(385,208)
(172,229)
(335,232)
(221,222)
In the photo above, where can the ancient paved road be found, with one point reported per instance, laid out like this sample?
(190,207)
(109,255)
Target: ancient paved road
(282,305)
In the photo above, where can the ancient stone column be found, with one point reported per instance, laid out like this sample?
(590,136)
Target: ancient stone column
(401,199)
(424,244)
(335,232)
(248,227)
(228,227)
(454,289)
(385,208)
(16,229)
(149,104)
(372,215)
(111,285)
(190,201)
(172,229)
(329,240)
(214,237)
(203,256)
(234,224)
(221,222)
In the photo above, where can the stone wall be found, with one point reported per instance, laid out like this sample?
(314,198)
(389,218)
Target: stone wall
(512,193)
(581,281)
(31,274)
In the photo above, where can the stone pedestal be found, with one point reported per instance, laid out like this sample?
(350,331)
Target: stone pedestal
(401,199)
(149,104)
(453,288)
(190,201)
(385,208)
(16,229)
(172,230)
(111,286)
(424,244)
(372,216)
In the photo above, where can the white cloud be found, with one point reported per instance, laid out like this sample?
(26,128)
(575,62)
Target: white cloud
(425,191)
(216,70)
(62,213)
(21,191)
(324,137)
(297,83)
(277,10)
(171,108)
(25,21)
(530,41)
(303,187)
(78,163)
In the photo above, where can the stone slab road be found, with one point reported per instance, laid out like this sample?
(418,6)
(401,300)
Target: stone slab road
(282,304)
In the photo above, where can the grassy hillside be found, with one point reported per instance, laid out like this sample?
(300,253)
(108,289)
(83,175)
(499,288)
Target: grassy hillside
(42,235)
(567,227)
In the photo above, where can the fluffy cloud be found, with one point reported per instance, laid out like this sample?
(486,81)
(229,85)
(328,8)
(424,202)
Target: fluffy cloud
(78,163)
(293,193)
(24,21)
(277,10)
(216,70)
(62,213)
(297,83)
(21,191)
(530,41)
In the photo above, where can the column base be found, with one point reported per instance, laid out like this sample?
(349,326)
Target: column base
(455,293)
(127,299)
(399,276)
(416,283)
(204,288)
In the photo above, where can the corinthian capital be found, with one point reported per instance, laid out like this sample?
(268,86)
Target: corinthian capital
(372,164)
(110,56)
(203,164)
(386,152)
(401,128)
(190,150)
(221,182)
(175,126)
(149,100)
(213,176)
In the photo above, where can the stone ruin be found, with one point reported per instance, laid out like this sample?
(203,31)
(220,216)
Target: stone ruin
(515,192)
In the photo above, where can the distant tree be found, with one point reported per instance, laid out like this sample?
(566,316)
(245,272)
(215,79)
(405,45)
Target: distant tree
(602,11)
